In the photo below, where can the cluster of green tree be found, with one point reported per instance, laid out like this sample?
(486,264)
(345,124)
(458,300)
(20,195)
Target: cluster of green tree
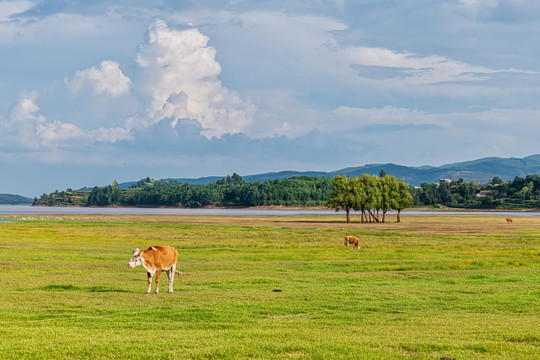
(107,195)
(63,198)
(143,183)
(370,194)
(520,192)
(229,191)
(233,191)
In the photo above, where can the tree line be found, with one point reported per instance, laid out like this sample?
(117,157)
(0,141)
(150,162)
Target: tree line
(521,192)
(373,195)
(229,191)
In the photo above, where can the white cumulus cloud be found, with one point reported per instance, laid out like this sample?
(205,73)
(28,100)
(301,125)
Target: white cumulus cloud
(105,79)
(18,130)
(24,128)
(180,74)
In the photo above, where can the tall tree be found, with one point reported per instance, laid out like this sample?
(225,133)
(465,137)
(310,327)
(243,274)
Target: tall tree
(389,194)
(345,194)
(372,196)
(404,199)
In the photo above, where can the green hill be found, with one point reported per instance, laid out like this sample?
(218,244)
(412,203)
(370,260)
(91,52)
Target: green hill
(479,171)
(10,199)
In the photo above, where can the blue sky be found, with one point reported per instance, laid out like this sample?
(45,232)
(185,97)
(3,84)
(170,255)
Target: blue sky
(96,91)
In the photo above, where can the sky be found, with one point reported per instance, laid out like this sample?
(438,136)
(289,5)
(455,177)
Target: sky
(97,91)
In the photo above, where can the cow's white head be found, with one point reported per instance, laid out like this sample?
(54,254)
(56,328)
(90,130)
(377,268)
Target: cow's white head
(136,259)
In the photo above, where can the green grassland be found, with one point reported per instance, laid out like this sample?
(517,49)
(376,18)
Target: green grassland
(280,287)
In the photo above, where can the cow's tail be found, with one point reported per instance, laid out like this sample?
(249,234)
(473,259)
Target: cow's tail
(180,273)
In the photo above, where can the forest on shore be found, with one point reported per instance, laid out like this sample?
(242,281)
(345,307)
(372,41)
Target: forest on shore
(302,191)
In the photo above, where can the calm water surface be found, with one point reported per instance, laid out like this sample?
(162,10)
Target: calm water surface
(45,210)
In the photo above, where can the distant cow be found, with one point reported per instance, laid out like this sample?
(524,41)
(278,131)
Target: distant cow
(509,220)
(154,259)
(352,240)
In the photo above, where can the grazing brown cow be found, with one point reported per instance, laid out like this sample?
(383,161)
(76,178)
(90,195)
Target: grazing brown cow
(154,259)
(352,240)
(509,220)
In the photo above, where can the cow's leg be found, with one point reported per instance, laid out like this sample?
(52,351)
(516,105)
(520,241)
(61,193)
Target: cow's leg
(170,273)
(158,274)
(149,282)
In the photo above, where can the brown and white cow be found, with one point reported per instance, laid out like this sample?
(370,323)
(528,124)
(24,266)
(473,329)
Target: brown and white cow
(352,240)
(154,259)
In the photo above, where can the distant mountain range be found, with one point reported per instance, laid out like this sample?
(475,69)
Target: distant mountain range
(14,199)
(480,171)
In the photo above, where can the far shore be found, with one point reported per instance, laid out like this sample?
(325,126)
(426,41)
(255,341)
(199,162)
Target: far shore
(439,208)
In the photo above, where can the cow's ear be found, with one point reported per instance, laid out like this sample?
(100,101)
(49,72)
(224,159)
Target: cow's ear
(136,252)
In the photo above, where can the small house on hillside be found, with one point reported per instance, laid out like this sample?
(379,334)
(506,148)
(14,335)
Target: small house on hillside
(444,181)
(484,193)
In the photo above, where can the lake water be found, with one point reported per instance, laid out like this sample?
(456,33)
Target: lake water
(44,210)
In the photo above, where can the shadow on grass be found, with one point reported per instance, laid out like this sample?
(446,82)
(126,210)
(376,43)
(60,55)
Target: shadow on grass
(69,287)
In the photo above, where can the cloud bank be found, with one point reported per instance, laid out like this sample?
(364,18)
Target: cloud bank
(25,129)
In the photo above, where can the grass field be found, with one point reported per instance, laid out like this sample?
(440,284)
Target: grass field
(277,287)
